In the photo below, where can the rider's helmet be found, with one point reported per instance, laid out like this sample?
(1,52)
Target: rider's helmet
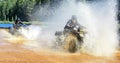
(17,20)
(74,19)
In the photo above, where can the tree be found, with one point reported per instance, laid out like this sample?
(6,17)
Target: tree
(12,9)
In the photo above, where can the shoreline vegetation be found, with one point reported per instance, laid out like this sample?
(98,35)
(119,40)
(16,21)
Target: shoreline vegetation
(11,22)
(24,9)
(24,22)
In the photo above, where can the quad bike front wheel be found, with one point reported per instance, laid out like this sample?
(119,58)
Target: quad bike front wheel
(71,45)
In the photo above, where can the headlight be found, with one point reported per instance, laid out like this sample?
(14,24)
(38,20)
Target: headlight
(77,26)
(75,29)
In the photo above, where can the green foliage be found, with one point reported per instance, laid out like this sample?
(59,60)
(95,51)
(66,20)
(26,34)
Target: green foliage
(4,22)
(5,8)
(12,9)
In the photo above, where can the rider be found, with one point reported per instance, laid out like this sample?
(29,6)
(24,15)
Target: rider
(74,27)
(17,23)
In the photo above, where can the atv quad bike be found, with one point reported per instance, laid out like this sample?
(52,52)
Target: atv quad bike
(69,41)
(15,29)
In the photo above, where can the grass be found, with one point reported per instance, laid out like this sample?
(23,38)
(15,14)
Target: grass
(24,22)
(11,22)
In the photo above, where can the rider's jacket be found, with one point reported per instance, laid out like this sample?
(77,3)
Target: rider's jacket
(18,25)
(72,26)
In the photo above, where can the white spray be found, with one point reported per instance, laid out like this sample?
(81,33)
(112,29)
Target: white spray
(100,20)
(101,24)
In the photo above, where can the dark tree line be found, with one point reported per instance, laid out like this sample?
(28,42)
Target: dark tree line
(13,9)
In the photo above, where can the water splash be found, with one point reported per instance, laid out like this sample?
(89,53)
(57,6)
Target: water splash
(98,17)
(102,37)
(32,32)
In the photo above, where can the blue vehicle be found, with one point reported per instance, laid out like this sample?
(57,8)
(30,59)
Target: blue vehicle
(14,29)
(6,26)
(16,26)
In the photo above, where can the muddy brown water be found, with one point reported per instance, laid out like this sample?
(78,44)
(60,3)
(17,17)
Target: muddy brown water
(14,53)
